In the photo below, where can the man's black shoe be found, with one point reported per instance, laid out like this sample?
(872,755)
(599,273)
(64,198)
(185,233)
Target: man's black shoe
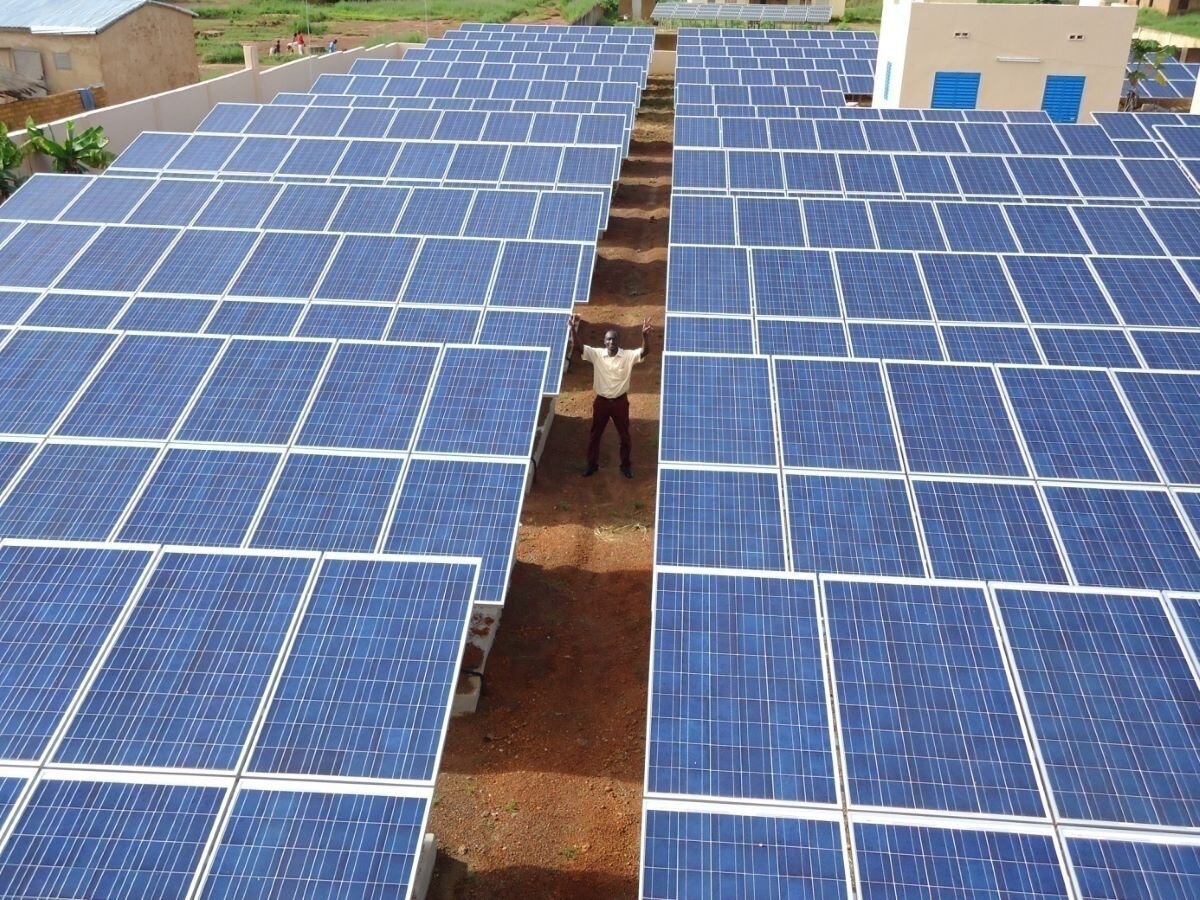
(590,471)
(627,471)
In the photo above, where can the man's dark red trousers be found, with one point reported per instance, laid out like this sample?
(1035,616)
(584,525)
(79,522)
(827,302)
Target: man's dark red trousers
(604,409)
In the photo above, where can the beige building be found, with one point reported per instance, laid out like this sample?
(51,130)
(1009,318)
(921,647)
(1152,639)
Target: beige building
(1068,60)
(132,47)
(1166,7)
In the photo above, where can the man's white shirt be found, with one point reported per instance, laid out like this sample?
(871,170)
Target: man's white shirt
(611,374)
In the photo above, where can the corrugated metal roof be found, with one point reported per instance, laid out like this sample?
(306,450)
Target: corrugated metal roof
(69,16)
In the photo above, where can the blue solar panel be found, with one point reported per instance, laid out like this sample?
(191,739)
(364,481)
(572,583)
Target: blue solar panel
(36,254)
(368,267)
(984,176)
(328,503)
(107,200)
(708,279)
(118,259)
(203,497)
(794,283)
(928,717)
(14,304)
(1075,426)
(345,320)
(709,334)
(202,262)
(1177,228)
(304,207)
(987,531)
(761,681)
(834,415)
(982,441)
(201,643)
(126,840)
(852,525)
(163,314)
(1167,407)
(1169,349)
(75,311)
(288,843)
(484,401)
(369,398)
(464,508)
(881,286)
(838,223)
(372,209)
(703,854)
(506,214)
(44,196)
(769,222)
(172,203)
(449,271)
(1141,868)
(58,607)
(747,506)
(74,492)
(539,275)
(875,340)
(285,265)
(142,389)
(906,226)
(436,324)
(810,172)
(1087,347)
(791,337)
(518,328)
(1124,538)
(1113,704)
(1116,229)
(255,319)
(1150,291)
(238,205)
(906,861)
(976,227)
(256,393)
(386,721)
(1059,290)
(737,428)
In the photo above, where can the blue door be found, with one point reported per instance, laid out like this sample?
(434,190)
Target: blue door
(955,90)
(1062,97)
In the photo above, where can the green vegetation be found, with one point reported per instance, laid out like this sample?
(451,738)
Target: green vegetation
(370,10)
(859,11)
(1187,24)
(1146,60)
(574,9)
(75,153)
(408,37)
(10,159)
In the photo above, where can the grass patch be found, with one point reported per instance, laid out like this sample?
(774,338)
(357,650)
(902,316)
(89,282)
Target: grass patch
(1187,24)
(220,26)
(862,11)
(574,9)
(408,37)
(220,52)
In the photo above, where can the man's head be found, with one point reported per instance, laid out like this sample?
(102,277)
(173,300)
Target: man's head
(612,341)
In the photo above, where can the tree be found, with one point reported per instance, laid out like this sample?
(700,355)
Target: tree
(1146,60)
(76,153)
(10,160)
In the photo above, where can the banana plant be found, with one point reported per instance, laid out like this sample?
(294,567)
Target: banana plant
(1146,60)
(76,153)
(10,161)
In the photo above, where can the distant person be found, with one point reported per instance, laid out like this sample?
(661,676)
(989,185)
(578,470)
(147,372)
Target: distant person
(275,49)
(612,369)
(332,48)
(300,42)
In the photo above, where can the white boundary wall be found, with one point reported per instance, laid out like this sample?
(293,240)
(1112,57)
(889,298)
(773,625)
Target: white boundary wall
(184,108)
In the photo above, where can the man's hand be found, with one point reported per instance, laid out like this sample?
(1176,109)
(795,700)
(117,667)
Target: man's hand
(574,322)
(646,327)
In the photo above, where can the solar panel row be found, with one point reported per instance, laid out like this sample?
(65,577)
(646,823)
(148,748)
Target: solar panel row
(249,695)
(924,627)
(863,171)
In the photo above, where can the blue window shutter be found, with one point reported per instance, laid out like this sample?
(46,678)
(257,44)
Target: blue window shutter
(1062,97)
(955,90)
(887,80)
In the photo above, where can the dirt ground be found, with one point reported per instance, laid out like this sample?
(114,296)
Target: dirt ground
(539,795)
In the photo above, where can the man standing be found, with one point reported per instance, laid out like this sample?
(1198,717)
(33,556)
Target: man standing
(612,368)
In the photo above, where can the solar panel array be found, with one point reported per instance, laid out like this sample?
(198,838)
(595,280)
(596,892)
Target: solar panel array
(741,12)
(268,394)
(927,561)
(836,62)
